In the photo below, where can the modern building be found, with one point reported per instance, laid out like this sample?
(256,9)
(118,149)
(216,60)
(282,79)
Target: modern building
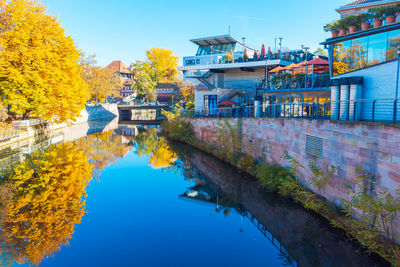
(126,75)
(167,93)
(364,68)
(226,69)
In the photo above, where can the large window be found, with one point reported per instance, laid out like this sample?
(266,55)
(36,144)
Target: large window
(365,51)
(215,49)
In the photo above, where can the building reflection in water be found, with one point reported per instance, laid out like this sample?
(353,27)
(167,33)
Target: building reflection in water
(301,237)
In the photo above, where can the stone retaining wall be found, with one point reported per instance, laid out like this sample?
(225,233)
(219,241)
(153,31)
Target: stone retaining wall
(374,148)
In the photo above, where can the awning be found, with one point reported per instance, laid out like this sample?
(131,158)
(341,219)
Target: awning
(214,40)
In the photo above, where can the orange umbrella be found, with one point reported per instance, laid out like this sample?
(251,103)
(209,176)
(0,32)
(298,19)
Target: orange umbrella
(291,66)
(277,69)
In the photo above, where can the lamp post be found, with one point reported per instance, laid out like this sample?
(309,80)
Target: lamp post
(305,66)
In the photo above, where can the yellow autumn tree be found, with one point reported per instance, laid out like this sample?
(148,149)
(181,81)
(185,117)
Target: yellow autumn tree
(101,82)
(163,64)
(47,203)
(148,143)
(186,91)
(103,148)
(39,65)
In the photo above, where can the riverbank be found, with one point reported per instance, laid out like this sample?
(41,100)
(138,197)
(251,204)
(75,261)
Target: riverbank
(92,113)
(299,233)
(227,146)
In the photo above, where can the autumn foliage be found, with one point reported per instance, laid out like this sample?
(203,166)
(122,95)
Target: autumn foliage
(47,203)
(39,71)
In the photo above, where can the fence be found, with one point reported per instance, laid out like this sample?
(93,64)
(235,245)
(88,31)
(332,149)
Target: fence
(8,133)
(374,110)
(309,82)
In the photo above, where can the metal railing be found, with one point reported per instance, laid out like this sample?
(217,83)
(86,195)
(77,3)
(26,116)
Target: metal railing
(373,110)
(309,82)
(9,133)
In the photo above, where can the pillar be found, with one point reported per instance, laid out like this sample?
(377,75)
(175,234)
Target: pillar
(335,98)
(344,102)
(354,106)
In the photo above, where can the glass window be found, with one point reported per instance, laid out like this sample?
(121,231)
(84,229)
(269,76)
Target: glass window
(393,43)
(366,51)
(359,53)
(341,57)
(377,46)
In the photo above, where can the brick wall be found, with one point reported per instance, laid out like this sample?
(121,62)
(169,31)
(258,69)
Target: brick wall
(348,146)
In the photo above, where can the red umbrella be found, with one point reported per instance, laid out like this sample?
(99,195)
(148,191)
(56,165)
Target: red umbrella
(263,50)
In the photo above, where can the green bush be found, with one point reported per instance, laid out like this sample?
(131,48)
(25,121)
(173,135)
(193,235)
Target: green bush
(271,177)
(179,130)
(248,164)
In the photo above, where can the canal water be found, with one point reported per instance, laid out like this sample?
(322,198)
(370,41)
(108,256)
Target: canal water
(128,197)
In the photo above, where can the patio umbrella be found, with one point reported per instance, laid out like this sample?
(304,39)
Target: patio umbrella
(262,51)
(291,66)
(277,69)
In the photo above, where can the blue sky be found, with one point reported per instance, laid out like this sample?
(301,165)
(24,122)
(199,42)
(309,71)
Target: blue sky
(124,29)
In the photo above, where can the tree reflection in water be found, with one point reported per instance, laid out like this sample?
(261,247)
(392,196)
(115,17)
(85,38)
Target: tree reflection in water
(148,143)
(42,198)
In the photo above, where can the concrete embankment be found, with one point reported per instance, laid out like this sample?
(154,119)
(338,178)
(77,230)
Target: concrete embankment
(78,128)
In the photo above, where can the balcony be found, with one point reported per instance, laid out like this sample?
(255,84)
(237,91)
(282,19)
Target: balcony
(216,61)
(287,83)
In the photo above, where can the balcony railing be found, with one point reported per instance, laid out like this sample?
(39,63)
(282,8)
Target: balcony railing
(371,110)
(303,82)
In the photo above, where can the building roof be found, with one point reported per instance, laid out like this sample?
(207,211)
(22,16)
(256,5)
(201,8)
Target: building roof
(167,86)
(359,2)
(366,3)
(214,40)
(118,66)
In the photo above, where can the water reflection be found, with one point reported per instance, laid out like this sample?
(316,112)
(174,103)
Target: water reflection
(42,197)
(301,237)
(148,143)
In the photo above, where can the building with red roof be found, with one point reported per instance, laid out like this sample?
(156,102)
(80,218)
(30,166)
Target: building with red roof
(126,77)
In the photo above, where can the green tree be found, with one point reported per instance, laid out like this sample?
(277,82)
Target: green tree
(321,52)
(145,87)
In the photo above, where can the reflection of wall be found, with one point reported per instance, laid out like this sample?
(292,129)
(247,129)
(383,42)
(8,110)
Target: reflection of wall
(306,237)
(371,147)
(144,115)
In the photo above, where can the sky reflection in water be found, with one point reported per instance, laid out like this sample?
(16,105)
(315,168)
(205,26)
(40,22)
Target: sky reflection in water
(145,204)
